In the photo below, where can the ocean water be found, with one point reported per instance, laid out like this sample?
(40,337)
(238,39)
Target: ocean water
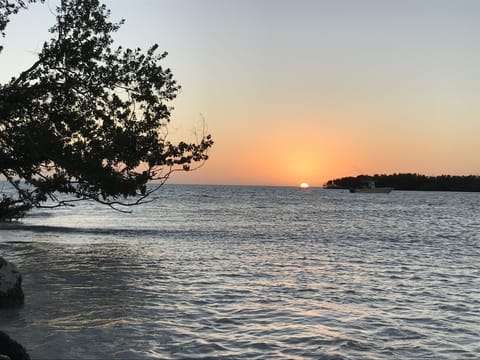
(225,272)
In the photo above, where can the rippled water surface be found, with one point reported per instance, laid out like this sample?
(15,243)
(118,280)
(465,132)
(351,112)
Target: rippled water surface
(251,272)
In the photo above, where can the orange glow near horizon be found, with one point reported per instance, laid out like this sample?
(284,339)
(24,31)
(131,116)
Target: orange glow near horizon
(281,160)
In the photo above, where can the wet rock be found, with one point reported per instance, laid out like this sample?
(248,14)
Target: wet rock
(11,293)
(11,350)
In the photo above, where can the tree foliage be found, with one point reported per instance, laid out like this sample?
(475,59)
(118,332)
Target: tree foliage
(88,119)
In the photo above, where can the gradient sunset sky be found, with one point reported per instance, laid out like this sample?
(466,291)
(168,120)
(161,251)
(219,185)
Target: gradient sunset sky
(303,90)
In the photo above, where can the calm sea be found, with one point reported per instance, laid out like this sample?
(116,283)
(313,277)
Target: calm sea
(225,272)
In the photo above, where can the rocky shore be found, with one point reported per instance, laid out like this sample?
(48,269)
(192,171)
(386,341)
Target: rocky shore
(11,350)
(11,295)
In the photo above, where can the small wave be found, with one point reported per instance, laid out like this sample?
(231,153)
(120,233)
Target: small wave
(398,333)
(41,214)
(78,230)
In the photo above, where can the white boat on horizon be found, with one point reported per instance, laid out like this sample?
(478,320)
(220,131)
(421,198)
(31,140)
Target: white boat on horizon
(370,188)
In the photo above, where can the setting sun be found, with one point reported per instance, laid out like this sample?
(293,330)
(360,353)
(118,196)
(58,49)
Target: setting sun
(304,186)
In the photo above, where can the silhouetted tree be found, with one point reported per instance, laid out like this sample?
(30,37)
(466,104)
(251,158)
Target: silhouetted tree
(411,182)
(87,120)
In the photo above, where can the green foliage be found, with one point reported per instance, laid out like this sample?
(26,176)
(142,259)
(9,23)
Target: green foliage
(411,182)
(87,119)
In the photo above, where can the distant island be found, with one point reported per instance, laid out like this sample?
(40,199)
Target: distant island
(410,182)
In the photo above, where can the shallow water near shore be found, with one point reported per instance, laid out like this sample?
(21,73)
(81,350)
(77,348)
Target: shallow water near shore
(251,272)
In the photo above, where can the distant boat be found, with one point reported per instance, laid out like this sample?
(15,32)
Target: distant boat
(370,187)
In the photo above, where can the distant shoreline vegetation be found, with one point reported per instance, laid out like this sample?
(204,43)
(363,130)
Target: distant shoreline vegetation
(469,183)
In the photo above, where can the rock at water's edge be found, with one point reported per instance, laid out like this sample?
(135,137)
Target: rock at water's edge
(12,349)
(11,293)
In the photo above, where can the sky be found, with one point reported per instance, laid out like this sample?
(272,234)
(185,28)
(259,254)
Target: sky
(300,90)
